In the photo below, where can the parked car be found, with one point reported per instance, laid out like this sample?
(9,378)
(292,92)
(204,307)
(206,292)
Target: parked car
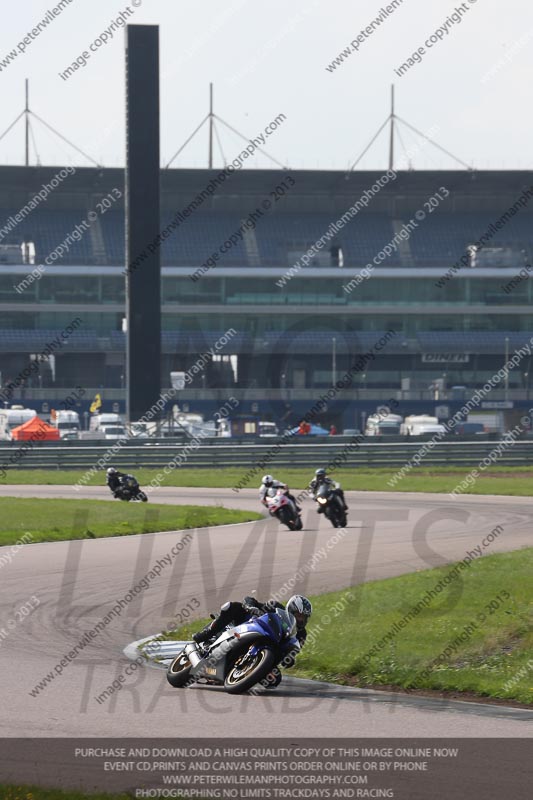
(469,428)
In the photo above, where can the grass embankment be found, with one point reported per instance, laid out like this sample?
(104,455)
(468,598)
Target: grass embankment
(475,636)
(516,481)
(57,520)
(36,793)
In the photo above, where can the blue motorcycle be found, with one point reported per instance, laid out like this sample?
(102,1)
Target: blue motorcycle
(240,657)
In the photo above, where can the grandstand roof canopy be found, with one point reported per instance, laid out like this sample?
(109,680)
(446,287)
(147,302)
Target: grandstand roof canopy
(321,190)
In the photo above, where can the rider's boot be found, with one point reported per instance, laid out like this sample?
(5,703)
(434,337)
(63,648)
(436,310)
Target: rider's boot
(205,634)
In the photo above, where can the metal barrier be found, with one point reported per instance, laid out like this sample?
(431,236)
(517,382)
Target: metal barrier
(270,455)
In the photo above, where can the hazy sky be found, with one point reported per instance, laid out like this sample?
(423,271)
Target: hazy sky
(472,88)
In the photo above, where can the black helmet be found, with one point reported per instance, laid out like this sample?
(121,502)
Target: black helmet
(320,474)
(300,607)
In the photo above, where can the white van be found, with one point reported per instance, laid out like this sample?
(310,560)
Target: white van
(99,422)
(67,423)
(13,417)
(379,424)
(419,424)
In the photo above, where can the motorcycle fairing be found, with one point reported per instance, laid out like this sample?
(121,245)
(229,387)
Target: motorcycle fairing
(271,627)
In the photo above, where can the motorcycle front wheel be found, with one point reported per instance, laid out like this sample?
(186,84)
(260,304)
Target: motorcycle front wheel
(178,671)
(249,670)
(284,517)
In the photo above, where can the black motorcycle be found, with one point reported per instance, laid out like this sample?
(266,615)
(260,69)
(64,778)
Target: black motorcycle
(129,489)
(328,499)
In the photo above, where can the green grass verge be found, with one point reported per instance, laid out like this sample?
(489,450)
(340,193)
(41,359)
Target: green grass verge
(36,793)
(515,481)
(57,520)
(497,653)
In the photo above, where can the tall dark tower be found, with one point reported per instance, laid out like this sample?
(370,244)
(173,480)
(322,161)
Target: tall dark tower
(143,250)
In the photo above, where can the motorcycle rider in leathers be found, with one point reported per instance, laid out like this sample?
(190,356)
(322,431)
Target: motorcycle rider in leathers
(320,479)
(235,613)
(269,482)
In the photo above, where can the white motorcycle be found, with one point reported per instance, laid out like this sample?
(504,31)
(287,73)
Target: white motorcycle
(283,509)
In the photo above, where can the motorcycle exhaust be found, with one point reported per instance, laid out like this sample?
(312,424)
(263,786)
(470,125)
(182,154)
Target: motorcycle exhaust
(191,650)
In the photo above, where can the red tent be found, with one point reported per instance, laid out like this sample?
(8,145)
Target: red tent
(35,430)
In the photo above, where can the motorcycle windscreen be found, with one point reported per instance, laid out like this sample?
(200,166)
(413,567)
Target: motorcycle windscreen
(287,621)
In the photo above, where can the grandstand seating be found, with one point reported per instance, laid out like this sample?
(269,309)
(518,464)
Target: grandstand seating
(296,341)
(277,235)
(439,241)
(49,229)
(35,341)
(443,238)
(191,341)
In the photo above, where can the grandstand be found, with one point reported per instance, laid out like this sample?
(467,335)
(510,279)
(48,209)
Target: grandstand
(292,339)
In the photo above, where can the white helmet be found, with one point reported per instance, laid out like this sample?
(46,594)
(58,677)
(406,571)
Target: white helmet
(300,607)
(111,471)
(267,480)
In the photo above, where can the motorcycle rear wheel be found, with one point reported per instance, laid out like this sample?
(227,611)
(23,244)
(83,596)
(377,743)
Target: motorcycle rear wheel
(241,678)
(178,671)
(141,496)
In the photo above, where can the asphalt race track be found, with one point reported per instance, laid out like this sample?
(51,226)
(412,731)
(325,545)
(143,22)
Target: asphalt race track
(75,584)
